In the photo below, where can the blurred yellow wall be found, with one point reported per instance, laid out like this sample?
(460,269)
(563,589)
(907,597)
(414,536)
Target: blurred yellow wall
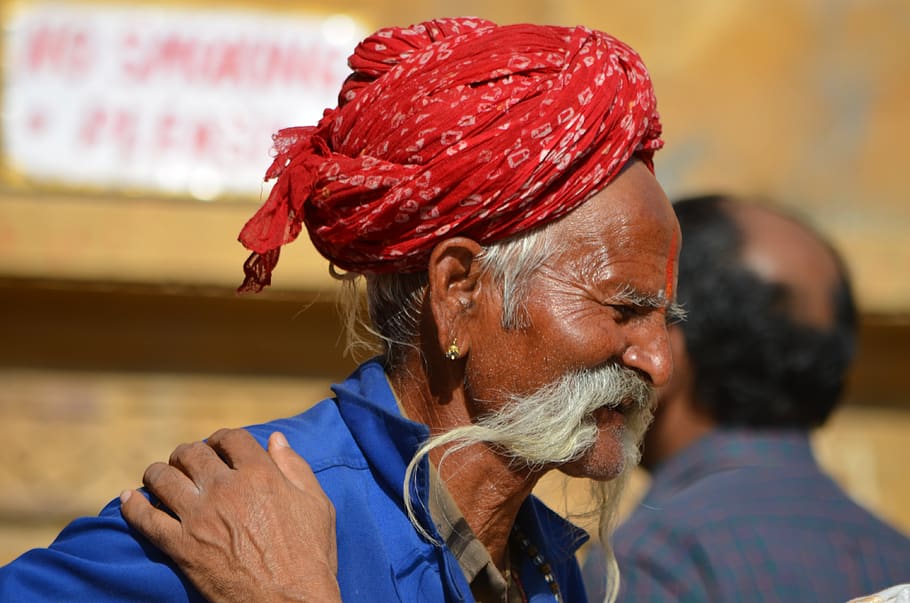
(73,441)
(801,102)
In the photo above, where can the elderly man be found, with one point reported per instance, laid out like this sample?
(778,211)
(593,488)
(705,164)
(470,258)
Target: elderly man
(738,509)
(493,186)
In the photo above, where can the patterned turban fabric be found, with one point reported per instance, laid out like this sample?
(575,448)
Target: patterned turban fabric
(454,127)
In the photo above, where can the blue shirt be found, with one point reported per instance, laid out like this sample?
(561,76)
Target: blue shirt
(743,516)
(358,445)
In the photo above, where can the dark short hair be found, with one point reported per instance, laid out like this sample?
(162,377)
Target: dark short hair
(754,365)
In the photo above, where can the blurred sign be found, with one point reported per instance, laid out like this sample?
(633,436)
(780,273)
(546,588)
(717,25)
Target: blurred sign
(162,99)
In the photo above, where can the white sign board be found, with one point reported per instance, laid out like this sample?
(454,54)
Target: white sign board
(162,99)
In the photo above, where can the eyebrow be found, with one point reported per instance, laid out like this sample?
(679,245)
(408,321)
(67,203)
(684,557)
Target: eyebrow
(632,296)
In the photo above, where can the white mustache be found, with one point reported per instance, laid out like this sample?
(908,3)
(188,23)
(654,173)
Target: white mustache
(552,425)
(618,387)
(556,424)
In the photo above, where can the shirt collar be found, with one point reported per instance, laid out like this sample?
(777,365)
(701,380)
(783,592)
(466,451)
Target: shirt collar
(388,441)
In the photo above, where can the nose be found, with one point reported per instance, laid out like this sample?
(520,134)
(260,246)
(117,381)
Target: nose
(649,352)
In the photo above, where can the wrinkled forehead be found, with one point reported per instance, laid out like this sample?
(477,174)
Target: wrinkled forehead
(629,227)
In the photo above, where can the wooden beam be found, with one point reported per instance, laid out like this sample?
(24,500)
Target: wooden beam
(141,328)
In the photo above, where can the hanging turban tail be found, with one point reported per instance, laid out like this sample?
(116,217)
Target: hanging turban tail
(454,127)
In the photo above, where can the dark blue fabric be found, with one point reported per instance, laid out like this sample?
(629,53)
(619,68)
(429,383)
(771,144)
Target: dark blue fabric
(358,445)
(743,516)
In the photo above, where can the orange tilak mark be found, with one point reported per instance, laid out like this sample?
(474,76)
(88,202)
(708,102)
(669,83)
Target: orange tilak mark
(671,266)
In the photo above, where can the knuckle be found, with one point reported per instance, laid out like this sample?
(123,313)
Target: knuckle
(232,441)
(218,435)
(182,451)
(236,437)
(153,473)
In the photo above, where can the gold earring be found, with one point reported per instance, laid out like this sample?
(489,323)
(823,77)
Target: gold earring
(452,352)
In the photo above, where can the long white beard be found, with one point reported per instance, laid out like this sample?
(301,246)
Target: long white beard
(554,424)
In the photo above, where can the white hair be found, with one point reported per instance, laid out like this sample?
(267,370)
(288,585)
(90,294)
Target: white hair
(552,425)
(387,321)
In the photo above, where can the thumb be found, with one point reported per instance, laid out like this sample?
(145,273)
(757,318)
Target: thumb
(291,464)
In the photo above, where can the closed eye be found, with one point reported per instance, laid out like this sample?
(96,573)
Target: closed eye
(629,304)
(628,311)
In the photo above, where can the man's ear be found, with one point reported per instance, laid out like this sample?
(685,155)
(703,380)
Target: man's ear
(454,285)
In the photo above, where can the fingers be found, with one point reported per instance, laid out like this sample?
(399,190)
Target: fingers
(201,466)
(291,464)
(174,489)
(206,462)
(199,462)
(236,447)
(157,526)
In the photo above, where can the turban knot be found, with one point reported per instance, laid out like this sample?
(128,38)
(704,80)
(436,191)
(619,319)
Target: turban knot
(454,127)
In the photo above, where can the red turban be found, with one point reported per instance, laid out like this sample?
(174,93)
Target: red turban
(454,127)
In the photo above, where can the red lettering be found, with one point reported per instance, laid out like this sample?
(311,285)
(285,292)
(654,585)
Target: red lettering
(130,50)
(165,56)
(123,131)
(299,65)
(229,63)
(92,124)
(165,132)
(80,52)
(37,122)
(103,126)
(266,64)
(42,47)
(238,63)
(202,138)
(59,49)
(176,54)
(313,66)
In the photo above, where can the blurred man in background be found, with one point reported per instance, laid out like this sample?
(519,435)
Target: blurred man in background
(738,509)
